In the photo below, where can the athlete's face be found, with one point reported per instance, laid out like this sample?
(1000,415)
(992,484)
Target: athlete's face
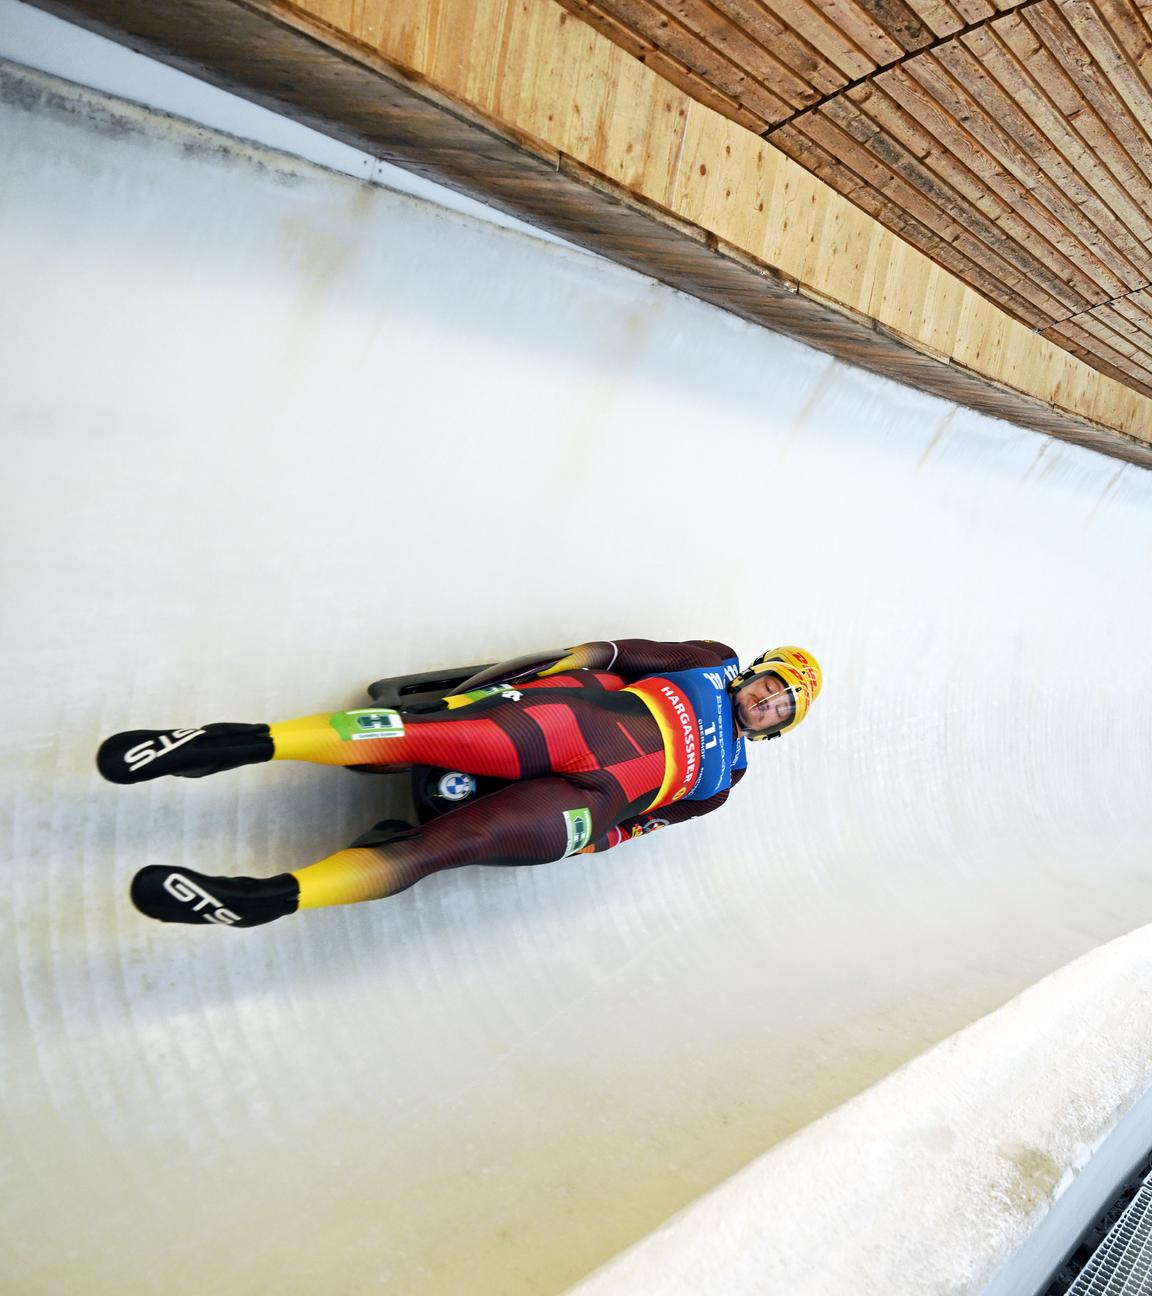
(764,703)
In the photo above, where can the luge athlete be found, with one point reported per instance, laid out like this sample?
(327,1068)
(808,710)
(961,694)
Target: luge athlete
(599,743)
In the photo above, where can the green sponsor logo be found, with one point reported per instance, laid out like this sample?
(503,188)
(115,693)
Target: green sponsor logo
(355,725)
(491,690)
(579,826)
(476,694)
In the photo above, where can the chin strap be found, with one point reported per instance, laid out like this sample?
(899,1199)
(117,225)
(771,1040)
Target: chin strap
(750,735)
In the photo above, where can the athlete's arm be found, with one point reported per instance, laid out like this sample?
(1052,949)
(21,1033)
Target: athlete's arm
(517,670)
(652,820)
(640,657)
(630,658)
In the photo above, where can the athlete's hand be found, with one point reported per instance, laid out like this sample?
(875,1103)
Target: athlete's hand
(596,655)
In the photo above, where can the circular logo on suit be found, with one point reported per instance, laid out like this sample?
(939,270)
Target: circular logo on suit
(455,786)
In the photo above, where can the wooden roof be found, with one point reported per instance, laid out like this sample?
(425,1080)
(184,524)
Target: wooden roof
(1010,142)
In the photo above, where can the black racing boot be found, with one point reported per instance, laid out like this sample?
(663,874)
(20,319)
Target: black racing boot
(181,895)
(142,754)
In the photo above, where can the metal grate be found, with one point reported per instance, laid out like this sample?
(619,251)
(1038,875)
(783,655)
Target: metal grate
(1122,1264)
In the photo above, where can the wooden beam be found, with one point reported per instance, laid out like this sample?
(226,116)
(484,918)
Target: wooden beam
(526,107)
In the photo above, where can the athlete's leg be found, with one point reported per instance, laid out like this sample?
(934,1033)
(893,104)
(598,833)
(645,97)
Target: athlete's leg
(495,739)
(520,734)
(474,739)
(504,735)
(527,823)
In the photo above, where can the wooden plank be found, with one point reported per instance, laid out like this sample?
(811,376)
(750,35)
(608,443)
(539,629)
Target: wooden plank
(788,43)
(943,252)
(955,156)
(1122,323)
(853,242)
(901,290)
(988,119)
(1074,337)
(1048,48)
(648,20)
(1082,345)
(1048,126)
(770,50)
(404,30)
(838,129)
(854,260)
(833,45)
(1120,43)
(1136,313)
(942,16)
(973,11)
(702,92)
(703,192)
(823,149)
(912,25)
(966,65)
(341,15)
(1021,187)
(692,83)
(860,28)
(1114,345)
(608,24)
(945,182)
(1131,320)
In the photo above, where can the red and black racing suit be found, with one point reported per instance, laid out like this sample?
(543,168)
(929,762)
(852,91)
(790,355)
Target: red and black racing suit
(591,765)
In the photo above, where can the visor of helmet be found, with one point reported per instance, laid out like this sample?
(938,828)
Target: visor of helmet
(767,704)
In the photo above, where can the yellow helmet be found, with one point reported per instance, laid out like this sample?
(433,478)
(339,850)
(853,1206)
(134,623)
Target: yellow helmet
(797,670)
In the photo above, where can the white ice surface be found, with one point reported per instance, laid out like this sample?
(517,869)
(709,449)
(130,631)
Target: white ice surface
(928,1183)
(270,433)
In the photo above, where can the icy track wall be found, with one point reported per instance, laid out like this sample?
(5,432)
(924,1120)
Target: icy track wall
(269,434)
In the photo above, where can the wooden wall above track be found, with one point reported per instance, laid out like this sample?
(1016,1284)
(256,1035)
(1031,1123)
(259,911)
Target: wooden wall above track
(523,105)
(1012,142)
